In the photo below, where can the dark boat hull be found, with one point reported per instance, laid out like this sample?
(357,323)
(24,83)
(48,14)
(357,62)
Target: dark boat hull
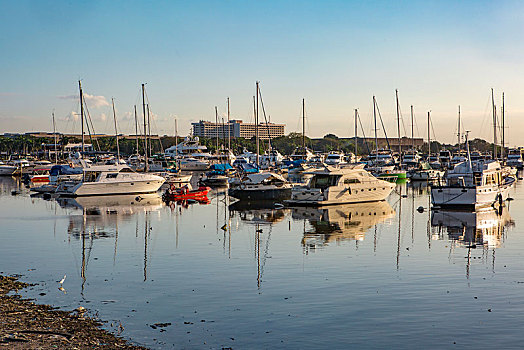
(272,194)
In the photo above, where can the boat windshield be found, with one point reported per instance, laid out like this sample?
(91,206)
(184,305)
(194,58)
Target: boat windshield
(323,181)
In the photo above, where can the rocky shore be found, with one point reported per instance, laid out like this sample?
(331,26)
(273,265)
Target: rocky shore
(26,325)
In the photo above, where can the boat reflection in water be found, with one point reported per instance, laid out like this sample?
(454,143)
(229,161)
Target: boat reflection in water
(347,222)
(259,212)
(482,227)
(100,218)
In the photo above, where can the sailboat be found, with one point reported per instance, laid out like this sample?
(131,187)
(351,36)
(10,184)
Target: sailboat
(266,185)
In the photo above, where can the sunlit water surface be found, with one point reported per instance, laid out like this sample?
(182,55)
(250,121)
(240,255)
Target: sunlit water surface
(206,276)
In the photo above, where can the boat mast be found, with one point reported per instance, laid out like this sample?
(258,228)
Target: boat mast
(216,127)
(136,132)
(304,127)
(429,138)
(116,132)
(412,138)
(81,112)
(398,124)
(503,141)
(375,121)
(256,124)
(54,134)
(149,131)
(176,139)
(228,127)
(146,169)
(494,126)
(458,133)
(356,131)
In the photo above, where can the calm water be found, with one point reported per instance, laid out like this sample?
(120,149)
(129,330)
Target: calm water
(359,276)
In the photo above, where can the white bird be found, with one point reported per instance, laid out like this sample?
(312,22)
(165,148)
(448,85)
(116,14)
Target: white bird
(62,280)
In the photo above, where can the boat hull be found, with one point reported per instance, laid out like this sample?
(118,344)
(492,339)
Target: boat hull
(468,197)
(113,188)
(264,194)
(332,196)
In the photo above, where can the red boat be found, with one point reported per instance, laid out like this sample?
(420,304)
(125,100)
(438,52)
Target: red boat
(175,194)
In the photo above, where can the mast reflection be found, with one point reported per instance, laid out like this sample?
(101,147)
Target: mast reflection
(100,217)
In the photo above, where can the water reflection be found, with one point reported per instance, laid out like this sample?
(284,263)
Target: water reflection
(483,227)
(335,224)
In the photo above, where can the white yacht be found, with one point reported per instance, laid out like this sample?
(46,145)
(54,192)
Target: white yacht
(188,146)
(335,158)
(298,154)
(193,164)
(347,184)
(411,159)
(111,180)
(472,185)
(272,157)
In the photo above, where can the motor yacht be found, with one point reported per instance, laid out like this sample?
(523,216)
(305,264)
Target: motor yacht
(193,164)
(335,158)
(472,185)
(347,184)
(111,180)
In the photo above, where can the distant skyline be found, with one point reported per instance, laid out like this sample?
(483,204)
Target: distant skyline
(193,55)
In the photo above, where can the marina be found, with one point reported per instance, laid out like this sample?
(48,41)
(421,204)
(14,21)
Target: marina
(201,266)
(261,175)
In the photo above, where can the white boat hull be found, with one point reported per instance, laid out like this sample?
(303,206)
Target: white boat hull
(112,188)
(472,197)
(341,195)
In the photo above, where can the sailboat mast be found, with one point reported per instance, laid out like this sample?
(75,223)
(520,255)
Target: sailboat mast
(116,132)
(145,127)
(458,133)
(136,132)
(304,127)
(54,134)
(412,134)
(216,127)
(228,127)
(176,138)
(494,126)
(356,132)
(256,123)
(503,140)
(429,138)
(398,124)
(375,122)
(149,131)
(81,112)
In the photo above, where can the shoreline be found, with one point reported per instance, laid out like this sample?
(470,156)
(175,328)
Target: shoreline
(25,324)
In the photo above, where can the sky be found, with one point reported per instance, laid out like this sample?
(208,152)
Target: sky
(193,55)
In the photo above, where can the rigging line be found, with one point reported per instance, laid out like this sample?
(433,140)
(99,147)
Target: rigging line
(487,114)
(383,127)
(363,133)
(89,120)
(154,123)
(265,118)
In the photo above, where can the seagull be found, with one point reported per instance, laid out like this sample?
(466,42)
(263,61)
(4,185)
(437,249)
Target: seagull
(62,280)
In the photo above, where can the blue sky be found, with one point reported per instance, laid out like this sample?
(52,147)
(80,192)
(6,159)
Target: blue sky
(194,54)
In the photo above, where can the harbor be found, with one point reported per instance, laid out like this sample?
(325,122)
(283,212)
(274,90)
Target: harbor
(261,175)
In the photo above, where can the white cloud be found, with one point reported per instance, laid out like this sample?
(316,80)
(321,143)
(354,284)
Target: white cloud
(92,101)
